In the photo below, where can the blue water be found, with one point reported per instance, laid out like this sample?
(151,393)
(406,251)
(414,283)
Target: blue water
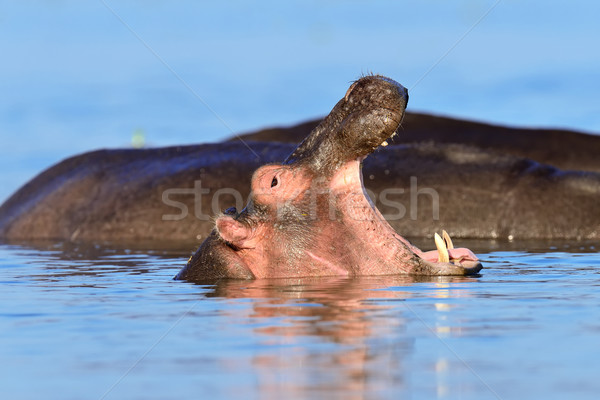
(79,75)
(100,322)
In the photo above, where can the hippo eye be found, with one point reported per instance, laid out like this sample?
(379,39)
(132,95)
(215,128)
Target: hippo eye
(274,182)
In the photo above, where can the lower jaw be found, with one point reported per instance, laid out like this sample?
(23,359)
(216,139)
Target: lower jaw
(380,230)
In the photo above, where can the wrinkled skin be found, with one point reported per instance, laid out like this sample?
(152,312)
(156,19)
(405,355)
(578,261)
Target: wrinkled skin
(311,216)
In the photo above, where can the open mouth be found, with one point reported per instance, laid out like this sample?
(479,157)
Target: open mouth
(311,215)
(334,153)
(358,240)
(446,259)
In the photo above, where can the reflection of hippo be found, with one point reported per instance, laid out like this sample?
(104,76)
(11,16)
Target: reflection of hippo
(484,190)
(311,216)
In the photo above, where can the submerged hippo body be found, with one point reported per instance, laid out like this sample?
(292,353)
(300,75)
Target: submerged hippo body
(311,216)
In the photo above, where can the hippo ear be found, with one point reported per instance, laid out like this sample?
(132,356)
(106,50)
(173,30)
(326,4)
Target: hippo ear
(233,231)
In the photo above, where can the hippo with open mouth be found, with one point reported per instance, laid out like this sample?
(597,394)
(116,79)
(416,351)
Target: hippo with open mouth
(310,216)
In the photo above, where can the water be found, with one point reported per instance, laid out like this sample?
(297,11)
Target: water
(107,322)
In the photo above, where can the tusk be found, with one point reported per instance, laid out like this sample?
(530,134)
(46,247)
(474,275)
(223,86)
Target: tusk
(443,255)
(447,240)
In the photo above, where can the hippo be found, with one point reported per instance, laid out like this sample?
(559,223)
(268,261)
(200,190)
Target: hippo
(311,216)
(474,180)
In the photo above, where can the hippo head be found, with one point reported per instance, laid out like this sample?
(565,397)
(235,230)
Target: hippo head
(311,216)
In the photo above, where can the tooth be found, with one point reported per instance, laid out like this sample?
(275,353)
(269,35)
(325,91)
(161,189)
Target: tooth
(447,240)
(443,255)
(385,143)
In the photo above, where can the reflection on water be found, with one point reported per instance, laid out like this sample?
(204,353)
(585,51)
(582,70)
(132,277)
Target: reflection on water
(352,326)
(108,321)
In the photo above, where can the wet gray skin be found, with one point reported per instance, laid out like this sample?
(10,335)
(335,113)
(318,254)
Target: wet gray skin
(310,216)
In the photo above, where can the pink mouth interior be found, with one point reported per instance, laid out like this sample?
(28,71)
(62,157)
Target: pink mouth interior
(349,178)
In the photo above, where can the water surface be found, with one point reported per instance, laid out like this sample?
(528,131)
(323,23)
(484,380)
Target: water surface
(108,322)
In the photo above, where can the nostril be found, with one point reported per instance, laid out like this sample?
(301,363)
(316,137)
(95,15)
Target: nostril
(274,182)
